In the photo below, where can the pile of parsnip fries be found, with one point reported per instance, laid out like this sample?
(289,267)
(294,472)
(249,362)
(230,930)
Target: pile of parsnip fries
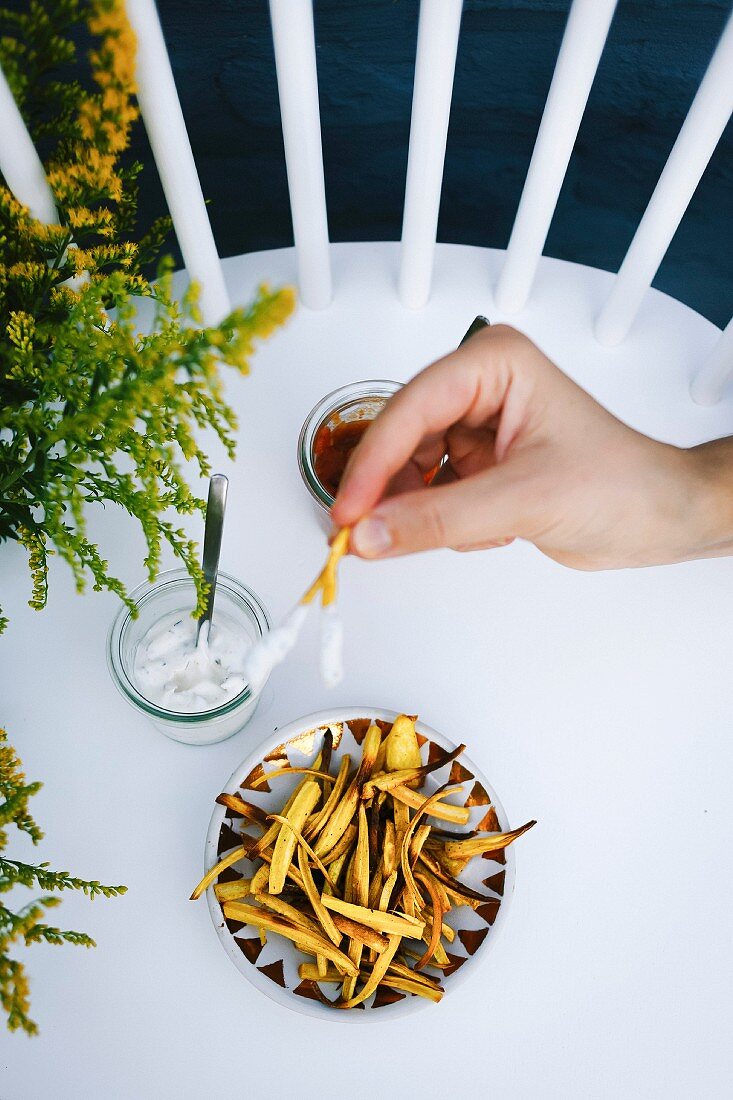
(357,868)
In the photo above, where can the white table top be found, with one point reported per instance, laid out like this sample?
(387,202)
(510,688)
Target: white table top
(598,703)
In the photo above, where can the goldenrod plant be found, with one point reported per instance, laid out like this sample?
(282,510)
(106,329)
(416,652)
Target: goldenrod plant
(26,926)
(91,410)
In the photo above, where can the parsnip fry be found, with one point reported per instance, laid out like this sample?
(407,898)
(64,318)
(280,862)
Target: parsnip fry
(277,905)
(343,847)
(322,914)
(391,923)
(285,844)
(375,941)
(403,750)
(436,921)
(278,772)
(300,839)
(230,891)
(491,842)
(246,809)
(315,945)
(459,815)
(233,857)
(379,971)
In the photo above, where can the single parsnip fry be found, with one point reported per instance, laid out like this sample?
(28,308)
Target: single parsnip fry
(389,859)
(318,820)
(348,890)
(386,894)
(403,751)
(216,870)
(379,971)
(436,921)
(476,846)
(401,815)
(381,761)
(427,806)
(278,772)
(230,891)
(322,914)
(355,952)
(375,888)
(300,839)
(323,763)
(457,814)
(343,847)
(375,941)
(390,923)
(335,869)
(360,885)
(246,809)
(408,776)
(285,844)
(446,931)
(295,916)
(313,944)
(259,880)
(417,842)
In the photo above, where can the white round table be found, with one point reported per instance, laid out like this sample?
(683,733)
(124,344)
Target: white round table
(598,703)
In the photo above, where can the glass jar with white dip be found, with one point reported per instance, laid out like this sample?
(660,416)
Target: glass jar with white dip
(192,693)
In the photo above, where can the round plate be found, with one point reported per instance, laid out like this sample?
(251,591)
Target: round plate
(273,969)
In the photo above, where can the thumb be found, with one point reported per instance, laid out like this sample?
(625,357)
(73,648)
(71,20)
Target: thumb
(477,511)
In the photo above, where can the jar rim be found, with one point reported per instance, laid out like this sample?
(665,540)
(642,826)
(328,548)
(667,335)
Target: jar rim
(253,608)
(321,411)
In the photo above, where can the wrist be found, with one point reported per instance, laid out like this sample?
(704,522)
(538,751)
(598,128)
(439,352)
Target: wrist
(710,466)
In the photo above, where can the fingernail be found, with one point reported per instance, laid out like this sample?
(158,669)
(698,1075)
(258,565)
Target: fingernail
(371,538)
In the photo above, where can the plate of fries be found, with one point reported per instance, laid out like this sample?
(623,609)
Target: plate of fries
(359,860)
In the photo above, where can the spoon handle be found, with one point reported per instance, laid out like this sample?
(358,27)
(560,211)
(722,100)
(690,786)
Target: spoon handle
(476,325)
(212,541)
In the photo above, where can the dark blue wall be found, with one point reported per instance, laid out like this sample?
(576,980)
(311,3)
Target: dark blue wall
(656,54)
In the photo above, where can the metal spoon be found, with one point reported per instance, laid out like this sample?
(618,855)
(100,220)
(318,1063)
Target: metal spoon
(212,542)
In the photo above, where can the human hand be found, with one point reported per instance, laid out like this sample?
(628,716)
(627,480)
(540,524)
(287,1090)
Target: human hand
(530,455)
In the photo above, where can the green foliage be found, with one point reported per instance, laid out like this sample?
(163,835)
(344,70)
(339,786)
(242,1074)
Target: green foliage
(27,924)
(91,410)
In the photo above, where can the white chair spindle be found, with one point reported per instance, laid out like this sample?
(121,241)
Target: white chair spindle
(577,62)
(161,111)
(437,44)
(297,81)
(710,382)
(19,162)
(695,144)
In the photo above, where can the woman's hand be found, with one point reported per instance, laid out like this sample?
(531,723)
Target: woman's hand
(532,456)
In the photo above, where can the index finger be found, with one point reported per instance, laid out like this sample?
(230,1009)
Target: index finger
(454,388)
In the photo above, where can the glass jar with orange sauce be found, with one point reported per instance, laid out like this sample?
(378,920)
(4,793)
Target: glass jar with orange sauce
(333,429)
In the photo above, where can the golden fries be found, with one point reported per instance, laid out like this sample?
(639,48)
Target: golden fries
(351,871)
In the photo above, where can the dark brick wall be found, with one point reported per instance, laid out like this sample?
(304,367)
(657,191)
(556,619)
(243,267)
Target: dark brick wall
(654,59)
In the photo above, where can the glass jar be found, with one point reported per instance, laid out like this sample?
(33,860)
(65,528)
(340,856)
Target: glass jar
(359,401)
(173,592)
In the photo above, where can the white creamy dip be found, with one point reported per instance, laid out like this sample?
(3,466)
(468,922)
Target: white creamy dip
(173,672)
